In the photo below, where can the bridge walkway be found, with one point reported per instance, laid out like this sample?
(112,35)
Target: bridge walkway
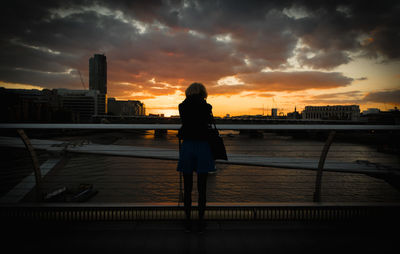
(219,237)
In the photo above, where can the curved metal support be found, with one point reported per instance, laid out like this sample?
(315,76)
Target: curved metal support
(35,163)
(324,153)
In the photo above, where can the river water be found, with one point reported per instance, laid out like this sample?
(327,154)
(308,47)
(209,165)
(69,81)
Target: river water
(121,179)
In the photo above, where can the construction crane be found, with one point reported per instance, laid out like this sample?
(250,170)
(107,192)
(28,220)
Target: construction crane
(83,84)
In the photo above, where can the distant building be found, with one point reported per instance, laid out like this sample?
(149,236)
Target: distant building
(336,112)
(371,111)
(58,105)
(83,102)
(98,73)
(156,115)
(294,115)
(43,106)
(125,108)
(98,80)
(274,112)
(376,116)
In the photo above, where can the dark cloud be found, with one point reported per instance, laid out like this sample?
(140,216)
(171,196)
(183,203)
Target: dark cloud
(42,79)
(332,102)
(266,95)
(146,90)
(277,81)
(178,42)
(351,94)
(389,96)
(322,60)
(344,98)
(295,81)
(370,27)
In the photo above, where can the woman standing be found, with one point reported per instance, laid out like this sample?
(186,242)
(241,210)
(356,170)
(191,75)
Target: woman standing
(195,154)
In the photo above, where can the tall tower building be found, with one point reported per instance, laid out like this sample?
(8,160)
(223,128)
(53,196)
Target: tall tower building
(98,73)
(98,80)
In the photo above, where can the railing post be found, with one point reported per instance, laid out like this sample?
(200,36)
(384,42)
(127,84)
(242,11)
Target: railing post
(35,163)
(180,199)
(324,153)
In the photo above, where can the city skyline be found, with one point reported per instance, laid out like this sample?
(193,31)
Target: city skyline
(252,56)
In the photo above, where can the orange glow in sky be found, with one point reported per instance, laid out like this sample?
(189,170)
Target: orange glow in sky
(257,102)
(251,57)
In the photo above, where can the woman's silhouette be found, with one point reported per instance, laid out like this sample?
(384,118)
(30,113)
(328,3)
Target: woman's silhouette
(195,154)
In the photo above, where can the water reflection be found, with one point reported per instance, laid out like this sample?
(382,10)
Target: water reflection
(121,179)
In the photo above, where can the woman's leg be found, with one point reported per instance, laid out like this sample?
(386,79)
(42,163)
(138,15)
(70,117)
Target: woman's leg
(187,194)
(202,189)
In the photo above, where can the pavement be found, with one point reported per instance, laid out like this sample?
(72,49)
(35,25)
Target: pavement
(219,237)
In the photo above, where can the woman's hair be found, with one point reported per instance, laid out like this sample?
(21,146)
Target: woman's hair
(196,89)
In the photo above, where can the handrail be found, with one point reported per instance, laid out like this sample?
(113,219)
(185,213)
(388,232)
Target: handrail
(316,127)
(219,126)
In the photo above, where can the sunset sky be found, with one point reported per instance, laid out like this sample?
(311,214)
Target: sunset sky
(250,54)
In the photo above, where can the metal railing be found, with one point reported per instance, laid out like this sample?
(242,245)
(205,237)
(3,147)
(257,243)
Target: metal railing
(337,127)
(286,212)
(301,212)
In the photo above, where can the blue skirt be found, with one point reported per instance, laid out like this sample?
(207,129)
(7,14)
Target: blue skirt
(195,156)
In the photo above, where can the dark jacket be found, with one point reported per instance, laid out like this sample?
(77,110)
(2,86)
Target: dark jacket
(196,117)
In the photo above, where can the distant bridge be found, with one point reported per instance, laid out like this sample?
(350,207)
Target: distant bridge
(229,120)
